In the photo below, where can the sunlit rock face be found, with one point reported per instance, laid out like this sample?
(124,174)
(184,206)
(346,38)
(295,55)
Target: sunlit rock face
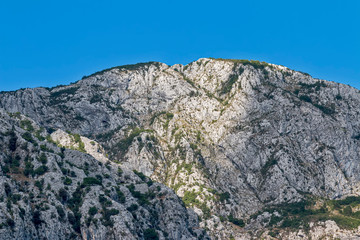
(232,138)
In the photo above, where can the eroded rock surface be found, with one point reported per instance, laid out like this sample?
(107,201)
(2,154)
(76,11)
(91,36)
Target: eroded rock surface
(230,137)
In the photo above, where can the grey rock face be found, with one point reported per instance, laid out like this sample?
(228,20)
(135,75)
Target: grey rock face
(231,137)
(49,192)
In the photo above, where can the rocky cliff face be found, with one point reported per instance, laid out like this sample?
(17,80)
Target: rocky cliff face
(243,143)
(48,192)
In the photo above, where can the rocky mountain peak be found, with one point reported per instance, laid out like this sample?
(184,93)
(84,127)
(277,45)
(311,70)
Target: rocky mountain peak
(242,143)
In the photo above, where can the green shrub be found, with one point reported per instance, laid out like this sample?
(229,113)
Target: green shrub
(126,67)
(90,181)
(40,170)
(45,149)
(60,212)
(205,210)
(92,211)
(39,184)
(224,196)
(81,145)
(151,234)
(325,109)
(346,222)
(38,136)
(120,196)
(12,141)
(5,169)
(140,175)
(28,137)
(189,81)
(107,213)
(74,204)
(347,211)
(125,143)
(120,171)
(316,85)
(67,181)
(227,85)
(169,115)
(95,98)
(43,158)
(67,91)
(349,200)
(111,212)
(190,198)
(338,97)
(15,198)
(143,198)
(275,220)
(7,189)
(357,137)
(133,207)
(36,219)
(305,98)
(104,201)
(10,222)
(26,124)
(63,195)
(291,223)
(152,119)
(236,221)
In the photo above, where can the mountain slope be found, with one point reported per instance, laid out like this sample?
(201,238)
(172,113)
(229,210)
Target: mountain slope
(231,137)
(49,192)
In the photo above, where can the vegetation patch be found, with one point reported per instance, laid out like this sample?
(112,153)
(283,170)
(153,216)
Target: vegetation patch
(107,135)
(125,67)
(26,125)
(39,171)
(81,145)
(151,234)
(66,91)
(299,214)
(96,98)
(255,64)
(28,137)
(325,109)
(90,181)
(74,204)
(168,116)
(357,137)
(190,198)
(143,199)
(224,196)
(305,98)
(123,145)
(236,221)
(140,175)
(313,86)
(227,85)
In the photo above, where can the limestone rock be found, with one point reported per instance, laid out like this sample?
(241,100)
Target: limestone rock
(232,138)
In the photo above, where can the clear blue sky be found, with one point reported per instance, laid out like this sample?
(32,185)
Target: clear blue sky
(46,43)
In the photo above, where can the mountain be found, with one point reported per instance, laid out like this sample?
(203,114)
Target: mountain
(254,149)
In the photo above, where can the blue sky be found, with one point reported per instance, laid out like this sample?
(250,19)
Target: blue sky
(46,43)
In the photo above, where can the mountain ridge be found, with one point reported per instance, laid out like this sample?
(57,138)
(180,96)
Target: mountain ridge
(230,137)
(141,64)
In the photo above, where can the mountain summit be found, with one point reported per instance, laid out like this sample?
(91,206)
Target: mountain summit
(218,148)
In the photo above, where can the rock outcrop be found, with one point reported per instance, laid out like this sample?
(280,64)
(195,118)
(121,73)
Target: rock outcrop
(239,141)
(48,192)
